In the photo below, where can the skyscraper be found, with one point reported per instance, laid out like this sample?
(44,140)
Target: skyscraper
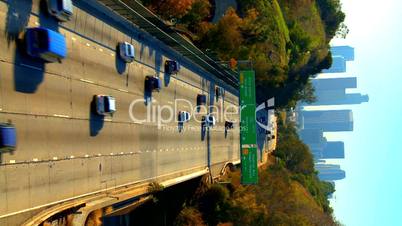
(334,150)
(334,83)
(346,52)
(338,65)
(339,99)
(328,121)
(330,172)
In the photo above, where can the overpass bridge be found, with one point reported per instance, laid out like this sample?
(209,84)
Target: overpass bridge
(66,155)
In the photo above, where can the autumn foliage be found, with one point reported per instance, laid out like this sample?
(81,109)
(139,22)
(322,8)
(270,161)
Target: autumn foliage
(170,9)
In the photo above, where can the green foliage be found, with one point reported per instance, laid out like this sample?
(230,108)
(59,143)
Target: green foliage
(189,216)
(332,15)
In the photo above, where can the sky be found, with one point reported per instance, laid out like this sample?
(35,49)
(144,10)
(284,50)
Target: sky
(371,193)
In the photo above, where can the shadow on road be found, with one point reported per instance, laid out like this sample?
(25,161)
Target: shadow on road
(17,18)
(95,121)
(119,63)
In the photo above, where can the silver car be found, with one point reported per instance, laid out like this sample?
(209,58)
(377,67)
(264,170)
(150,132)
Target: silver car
(61,9)
(105,105)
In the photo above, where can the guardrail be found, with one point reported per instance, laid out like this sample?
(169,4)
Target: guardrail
(140,16)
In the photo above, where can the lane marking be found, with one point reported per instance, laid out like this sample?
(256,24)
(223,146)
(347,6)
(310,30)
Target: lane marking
(61,116)
(107,120)
(87,81)
(88,44)
(71,157)
(35,159)
(99,154)
(74,39)
(55,158)
(111,153)
(86,156)
(121,153)
(12,161)
(123,90)
(100,49)
(131,152)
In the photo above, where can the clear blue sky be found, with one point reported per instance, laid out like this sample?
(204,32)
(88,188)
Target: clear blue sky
(371,194)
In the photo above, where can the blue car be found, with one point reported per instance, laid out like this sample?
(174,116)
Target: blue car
(8,137)
(45,44)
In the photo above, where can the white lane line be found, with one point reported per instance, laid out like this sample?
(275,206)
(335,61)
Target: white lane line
(147,151)
(107,120)
(101,50)
(121,153)
(35,159)
(99,154)
(87,156)
(86,80)
(88,44)
(123,90)
(131,152)
(12,161)
(61,116)
(55,158)
(160,150)
(74,39)
(71,157)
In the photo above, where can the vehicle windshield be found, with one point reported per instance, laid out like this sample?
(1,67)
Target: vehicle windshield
(107,104)
(60,5)
(40,39)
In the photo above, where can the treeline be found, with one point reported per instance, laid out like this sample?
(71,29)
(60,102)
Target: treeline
(287,40)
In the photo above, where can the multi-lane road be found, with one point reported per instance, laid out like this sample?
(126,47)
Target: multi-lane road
(64,149)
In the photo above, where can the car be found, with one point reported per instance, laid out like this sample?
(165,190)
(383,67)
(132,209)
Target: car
(171,67)
(153,83)
(201,99)
(184,116)
(45,44)
(126,52)
(8,137)
(208,120)
(229,125)
(61,9)
(105,104)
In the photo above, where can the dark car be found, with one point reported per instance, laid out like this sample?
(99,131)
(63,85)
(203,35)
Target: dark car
(153,83)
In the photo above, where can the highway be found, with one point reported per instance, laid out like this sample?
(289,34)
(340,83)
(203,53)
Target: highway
(64,149)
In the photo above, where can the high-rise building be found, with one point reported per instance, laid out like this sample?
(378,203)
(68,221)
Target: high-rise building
(328,98)
(334,83)
(346,52)
(338,65)
(328,121)
(330,172)
(311,135)
(334,150)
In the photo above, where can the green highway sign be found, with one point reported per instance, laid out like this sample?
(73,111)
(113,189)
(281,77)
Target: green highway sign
(248,135)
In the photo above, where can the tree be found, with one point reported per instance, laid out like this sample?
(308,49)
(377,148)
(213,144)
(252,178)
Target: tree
(169,9)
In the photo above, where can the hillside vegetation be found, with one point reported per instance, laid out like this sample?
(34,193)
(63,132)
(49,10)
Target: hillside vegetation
(287,40)
(288,193)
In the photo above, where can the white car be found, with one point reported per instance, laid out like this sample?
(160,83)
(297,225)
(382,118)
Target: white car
(105,105)
(184,116)
(61,9)
(126,51)
(209,120)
